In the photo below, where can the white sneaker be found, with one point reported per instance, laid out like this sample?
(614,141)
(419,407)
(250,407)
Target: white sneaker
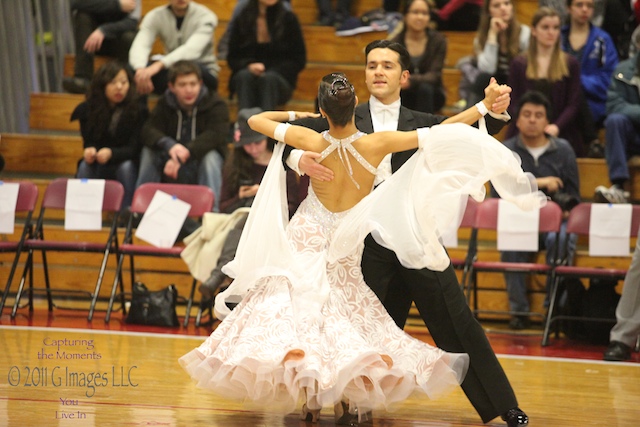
(612,194)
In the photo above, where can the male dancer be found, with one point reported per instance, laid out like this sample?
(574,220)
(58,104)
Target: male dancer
(437,295)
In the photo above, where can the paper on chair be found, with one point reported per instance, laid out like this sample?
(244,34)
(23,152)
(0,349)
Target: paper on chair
(163,220)
(83,204)
(8,202)
(517,229)
(610,229)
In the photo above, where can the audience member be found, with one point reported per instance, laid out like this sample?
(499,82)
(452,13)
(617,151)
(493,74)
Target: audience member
(223,44)
(423,91)
(266,53)
(596,53)
(242,174)
(104,28)
(624,334)
(635,42)
(184,138)
(458,15)
(552,161)
(546,68)
(619,20)
(500,38)
(327,16)
(559,6)
(622,129)
(186,31)
(110,122)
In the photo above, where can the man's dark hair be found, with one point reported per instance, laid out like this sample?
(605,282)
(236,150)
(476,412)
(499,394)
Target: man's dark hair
(536,98)
(183,68)
(337,98)
(405,58)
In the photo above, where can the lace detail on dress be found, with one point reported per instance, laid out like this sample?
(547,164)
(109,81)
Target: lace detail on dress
(342,146)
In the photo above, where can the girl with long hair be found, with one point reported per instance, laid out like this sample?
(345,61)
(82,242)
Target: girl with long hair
(110,122)
(546,68)
(424,90)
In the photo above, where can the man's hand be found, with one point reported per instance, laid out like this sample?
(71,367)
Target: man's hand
(89,155)
(256,68)
(127,6)
(248,190)
(497,97)
(171,169)
(552,130)
(143,77)
(180,153)
(104,155)
(94,41)
(309,166)
(550,183)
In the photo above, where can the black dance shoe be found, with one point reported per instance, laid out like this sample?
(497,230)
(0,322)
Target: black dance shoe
(617,352)
(515,417)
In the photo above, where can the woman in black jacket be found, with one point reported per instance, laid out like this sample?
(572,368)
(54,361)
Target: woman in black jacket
(110,123)
(266,53)
(424,90)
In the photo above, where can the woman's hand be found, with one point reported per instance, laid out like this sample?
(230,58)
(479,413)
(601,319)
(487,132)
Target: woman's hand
(305,114)
(89,155)
(248,190)
(552,130)
(104,155)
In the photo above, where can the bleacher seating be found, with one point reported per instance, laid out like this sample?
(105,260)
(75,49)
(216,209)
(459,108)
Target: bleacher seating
(54,146)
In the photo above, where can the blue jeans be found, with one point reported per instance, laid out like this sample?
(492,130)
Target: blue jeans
(623,141)
(125,172)
(517,283)
(207,171)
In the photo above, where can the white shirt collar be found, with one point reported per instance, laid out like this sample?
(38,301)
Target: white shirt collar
(384,116)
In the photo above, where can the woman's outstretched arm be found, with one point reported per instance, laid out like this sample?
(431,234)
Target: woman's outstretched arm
(296,136)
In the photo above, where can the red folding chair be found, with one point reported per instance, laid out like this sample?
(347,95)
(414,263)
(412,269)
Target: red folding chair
(578,223)
(26,204)
(487,219)
(54,200)
(200,198)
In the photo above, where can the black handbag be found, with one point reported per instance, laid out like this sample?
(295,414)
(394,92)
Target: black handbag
(153,308)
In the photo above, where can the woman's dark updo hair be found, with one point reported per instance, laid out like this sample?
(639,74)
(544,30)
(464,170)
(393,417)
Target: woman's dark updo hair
(337,98)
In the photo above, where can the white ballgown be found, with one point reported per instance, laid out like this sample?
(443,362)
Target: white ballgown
(300,286)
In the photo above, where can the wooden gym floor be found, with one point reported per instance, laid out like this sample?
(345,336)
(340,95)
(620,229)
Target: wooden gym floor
(141,383)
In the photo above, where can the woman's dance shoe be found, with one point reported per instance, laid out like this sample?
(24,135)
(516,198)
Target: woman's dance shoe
(309,415)
(345,418)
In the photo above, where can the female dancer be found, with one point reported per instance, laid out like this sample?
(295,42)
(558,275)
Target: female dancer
(307,326)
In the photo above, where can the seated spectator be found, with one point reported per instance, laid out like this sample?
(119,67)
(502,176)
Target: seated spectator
(110,122)
(423,91)
(266,54)
(243,172)
(596,53)
(546,68)
(500,38)
(223,44)
(619,21)
(624,334)
(328,17)
(622,128)
(103,28)
(184,138)
(458,15)
(552,161)
(559,6)
(186,30)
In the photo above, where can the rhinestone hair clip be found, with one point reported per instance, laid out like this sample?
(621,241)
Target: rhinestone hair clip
(338,83)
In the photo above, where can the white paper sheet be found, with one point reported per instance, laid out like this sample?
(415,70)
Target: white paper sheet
(517,229)
(8,202)
(163,220)
(610,229)
(83,205)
